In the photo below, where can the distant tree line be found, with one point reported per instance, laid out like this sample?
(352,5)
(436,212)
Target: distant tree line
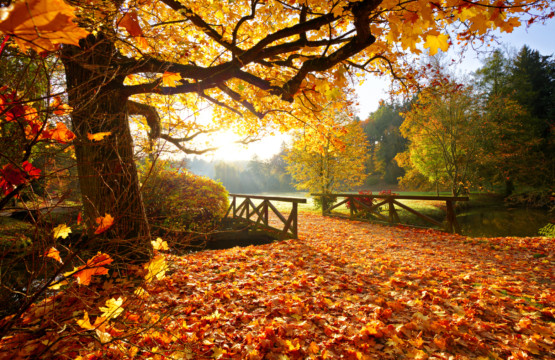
(254,176)
(495,132)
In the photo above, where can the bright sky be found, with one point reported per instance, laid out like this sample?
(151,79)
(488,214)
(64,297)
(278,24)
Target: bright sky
(537,37)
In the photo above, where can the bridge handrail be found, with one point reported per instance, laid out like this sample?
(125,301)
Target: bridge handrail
(292,199)
(401,197)
(247,209)
(391,201)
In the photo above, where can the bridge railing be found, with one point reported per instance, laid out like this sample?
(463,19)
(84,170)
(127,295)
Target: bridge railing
(370,204)
(257,215)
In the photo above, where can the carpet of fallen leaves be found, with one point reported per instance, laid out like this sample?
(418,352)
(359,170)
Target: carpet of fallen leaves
(350,290)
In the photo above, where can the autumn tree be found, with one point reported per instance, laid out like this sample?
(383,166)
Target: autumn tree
(443,127)
(262,65)
(327,164)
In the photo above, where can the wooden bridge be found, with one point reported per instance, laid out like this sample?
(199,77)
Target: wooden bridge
(371,205)
(257,217)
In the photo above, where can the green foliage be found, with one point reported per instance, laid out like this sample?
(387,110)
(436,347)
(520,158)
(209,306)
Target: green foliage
(548,230)
(518,92)
(181,200)
(385,141)
(443,127)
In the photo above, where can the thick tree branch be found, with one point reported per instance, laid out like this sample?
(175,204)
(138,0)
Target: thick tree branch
(237,97)
(184,149)
(153,121)
(151,115)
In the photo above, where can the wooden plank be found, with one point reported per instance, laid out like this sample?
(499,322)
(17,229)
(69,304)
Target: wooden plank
(337,205)
(295,228)
(371,209)
(276,211)
(297,200)
(242,207)
(452,223)
(393,216)
(255,209)
(425,217)
(260,215)
(231,206)
(401,197)
(266,212)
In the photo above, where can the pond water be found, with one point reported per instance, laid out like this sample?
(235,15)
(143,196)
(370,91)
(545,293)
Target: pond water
(500,221)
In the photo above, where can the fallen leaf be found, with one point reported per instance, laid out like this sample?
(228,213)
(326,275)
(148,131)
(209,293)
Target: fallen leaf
(104,223)
(98,136)
(54,254)
(62,231)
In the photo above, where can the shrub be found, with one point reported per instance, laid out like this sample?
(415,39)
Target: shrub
(368,199)
(548,230)
(181,200)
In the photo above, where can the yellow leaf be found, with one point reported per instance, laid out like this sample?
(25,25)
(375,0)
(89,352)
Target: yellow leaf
(104,223)
(54,254)
(85,323)
(62,231)
(218,353)
(171,79)
(113,308)
(58,285)
(42,24)
(159,244)
(156,268)
(98,136)
(104,337)
(436,42)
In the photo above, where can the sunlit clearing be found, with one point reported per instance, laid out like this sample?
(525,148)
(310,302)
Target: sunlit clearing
(229,149)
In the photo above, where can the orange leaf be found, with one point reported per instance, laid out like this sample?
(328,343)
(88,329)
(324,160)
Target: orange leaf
(42,24)
(130,23)
(54,254)
(98,136)
(62,134)
(104,223)
(91,268)
(171,79)
(59,108)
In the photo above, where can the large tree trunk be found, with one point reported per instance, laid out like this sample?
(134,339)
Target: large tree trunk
(107,171)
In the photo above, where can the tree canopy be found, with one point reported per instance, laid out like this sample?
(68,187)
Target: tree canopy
(264,66)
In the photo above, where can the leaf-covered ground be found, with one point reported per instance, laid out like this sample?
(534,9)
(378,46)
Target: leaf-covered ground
(356,290)
(350,290)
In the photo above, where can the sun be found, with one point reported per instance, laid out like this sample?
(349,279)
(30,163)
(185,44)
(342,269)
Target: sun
(228,148)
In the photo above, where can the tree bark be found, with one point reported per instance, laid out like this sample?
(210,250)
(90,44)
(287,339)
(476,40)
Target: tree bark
(107,171)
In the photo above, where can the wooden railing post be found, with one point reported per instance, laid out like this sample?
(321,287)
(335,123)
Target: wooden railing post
(234,203)
(393,216)
(294,229)
(265,212)
(452,223)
